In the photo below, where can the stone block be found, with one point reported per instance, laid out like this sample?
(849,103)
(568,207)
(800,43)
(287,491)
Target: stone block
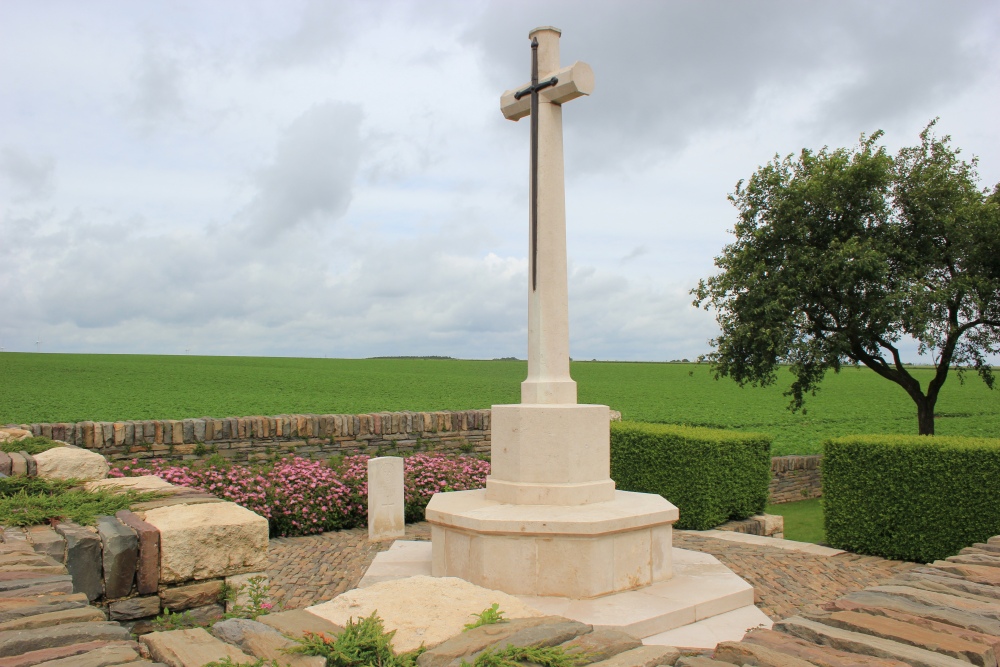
(16,642)
(200,594)
(644,656)
(47,541)
(32,467)
(602,644)
(83,558)
(71,462)
(48,619)
(18,466)
(986,608)
(474,641)
(952,585)
(296,623)
(263,641)
(206,615)
(740,653)
(869,602)
(5,464)
(385,498)
(133,608)
(26,586)
(147,579)
(208,540)
(49,655)
(190,648)
(120,547)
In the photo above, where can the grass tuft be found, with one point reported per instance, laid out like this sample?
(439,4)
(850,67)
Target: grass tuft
(35,445)
(31,501)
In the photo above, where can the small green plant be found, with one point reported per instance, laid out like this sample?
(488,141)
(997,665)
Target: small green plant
(335,462)
(257,591)
(35,445)
(228,662)
(174,621)
(200,449)
(362,643)
(517,656)
(33,501)
(488,616)
(466,447)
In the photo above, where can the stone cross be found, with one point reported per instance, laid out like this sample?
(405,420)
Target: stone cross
(548,381)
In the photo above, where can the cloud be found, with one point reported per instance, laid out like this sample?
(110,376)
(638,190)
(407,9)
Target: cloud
(30,177)
(311,178)
(156,97)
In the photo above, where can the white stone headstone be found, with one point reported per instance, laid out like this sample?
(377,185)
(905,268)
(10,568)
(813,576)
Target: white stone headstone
(385,498)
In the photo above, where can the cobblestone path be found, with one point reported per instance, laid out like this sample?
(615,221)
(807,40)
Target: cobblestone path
(309,570)
(786,582)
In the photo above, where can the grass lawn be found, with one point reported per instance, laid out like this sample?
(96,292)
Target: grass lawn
(803,520)
(79,387)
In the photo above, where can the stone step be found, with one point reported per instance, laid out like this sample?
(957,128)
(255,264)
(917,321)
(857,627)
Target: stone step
(980,606)
(707,633)
(951,585)
(47,655)
(985,559)
(105,656)
(821,656)
(263,641)
(870,602)
(644,656)
(190,648)
(15,642)
(976,652)
(980,574)
(855,642)
(17,607)
(296,622)
(745,653)
(61,617)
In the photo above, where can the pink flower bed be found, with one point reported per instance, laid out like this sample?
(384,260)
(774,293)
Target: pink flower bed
(299,496)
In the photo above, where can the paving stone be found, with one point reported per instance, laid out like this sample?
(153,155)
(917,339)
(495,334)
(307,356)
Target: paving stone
(601,644)
(470,642)
(17,607)
(856,642)
(296,622)
(99,657)
(865,600)
(47,541)
(263,641)
(133,608)
(190,648)
(39,568)
(34,585)
(15,642)
(944,584)
(25,558)
(644,656)
(821,656)
(33,658)
(59,617)
(120,551)
(556,631)
(988,608)
(741,653)
(180,598)
(147,576)
(978,653)
(83,558)
(15,538)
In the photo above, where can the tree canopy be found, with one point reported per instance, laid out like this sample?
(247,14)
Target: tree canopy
(841,254)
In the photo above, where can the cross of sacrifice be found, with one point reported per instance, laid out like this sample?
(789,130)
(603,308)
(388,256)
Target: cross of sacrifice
(548,379)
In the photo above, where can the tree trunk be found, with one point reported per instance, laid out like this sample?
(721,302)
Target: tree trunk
(925,415)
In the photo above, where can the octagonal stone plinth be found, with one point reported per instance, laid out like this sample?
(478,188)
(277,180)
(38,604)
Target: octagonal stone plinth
(580,551)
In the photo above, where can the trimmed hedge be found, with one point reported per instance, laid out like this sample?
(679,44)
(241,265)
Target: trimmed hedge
(711,475)
(915,498)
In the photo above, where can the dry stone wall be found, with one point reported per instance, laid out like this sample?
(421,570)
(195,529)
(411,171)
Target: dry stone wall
(243,439)
(253,438)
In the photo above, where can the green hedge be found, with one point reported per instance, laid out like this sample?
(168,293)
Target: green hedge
(916,498)
(711,475)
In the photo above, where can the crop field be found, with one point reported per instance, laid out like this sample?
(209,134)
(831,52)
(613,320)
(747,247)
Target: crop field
(76,387)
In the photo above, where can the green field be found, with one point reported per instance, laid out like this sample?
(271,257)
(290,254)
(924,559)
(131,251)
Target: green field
(77,387)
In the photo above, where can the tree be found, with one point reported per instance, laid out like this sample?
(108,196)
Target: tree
(841,254)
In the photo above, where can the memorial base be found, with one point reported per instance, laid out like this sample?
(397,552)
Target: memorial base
(574,551)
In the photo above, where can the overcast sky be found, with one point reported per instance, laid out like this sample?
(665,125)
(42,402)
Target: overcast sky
(336,178)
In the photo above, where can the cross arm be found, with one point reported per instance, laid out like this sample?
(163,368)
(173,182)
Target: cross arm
(574,81)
